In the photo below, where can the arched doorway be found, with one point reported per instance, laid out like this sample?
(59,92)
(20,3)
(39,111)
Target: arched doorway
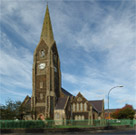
(41,117)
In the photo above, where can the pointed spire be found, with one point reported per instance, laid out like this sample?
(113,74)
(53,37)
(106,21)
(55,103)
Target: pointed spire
(47,33)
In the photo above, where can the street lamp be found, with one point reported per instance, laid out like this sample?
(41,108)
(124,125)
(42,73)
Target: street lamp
(108,98)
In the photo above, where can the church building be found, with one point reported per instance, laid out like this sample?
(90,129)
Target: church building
(49,99)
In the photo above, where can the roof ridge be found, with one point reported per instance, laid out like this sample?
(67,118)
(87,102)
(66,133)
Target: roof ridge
(95,100)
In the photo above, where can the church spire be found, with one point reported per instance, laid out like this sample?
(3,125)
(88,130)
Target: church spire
(47,33)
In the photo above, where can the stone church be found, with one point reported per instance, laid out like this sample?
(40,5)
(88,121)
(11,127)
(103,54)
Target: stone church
(49,100)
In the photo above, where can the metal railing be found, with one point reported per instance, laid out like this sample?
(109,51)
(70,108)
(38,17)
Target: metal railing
(14,124)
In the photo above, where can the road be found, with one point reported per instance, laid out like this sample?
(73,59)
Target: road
(98,132)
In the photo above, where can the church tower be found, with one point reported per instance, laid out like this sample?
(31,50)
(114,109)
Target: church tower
(46,76)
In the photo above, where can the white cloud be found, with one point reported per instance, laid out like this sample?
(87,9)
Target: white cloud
(6,92)
(15,64)
(96,86)
(22,17)
(96,44)
(70,78)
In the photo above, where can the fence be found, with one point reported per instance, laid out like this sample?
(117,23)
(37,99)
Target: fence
(12,124)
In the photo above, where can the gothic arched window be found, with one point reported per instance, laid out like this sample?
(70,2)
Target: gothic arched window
(77,107)
(79,117)
(85,107)
(73,107)
(76,117)
(81,106)
(83,117)
(57,115)
(42,53)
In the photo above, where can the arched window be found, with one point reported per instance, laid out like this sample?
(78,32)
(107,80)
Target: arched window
(76,117)
(57,115)
(41,96)
(85,107)
(81,106)
(83,117)
(80,117)
(42,53)
(77,107)
(73,107)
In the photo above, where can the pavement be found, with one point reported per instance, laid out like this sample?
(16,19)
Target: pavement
(128,131)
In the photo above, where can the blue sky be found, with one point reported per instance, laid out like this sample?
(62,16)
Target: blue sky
(95,40)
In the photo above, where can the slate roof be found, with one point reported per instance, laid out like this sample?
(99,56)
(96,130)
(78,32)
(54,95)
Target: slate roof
(97,104)
(66,92)
(27,101)
(27,104)
(61,103)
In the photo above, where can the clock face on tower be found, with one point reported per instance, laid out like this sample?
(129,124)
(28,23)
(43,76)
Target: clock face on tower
(42,65)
